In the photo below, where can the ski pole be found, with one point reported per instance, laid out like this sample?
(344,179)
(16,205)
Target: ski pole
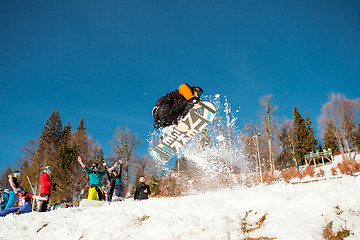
(31,185)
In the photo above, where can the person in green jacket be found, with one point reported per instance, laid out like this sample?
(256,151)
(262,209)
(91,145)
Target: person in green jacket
(95,177)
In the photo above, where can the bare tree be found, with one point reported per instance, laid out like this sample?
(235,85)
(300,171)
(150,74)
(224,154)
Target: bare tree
(123,144)
(341,114)
(4,180)
(250,143)
(269,122)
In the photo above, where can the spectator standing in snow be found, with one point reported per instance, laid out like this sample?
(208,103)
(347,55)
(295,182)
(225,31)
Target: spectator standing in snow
(116,186)
(142,190)
(45,189)
(24,200)
(12,195)
(95,177)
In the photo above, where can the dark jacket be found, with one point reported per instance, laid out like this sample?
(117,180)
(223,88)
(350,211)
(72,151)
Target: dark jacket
(174,104)
(142,191)
(16,183)
(115,182)
(185,92)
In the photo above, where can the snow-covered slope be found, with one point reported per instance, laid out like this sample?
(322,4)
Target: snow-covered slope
(281,211)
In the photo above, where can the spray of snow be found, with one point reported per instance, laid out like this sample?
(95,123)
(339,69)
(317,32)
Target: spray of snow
(217,150)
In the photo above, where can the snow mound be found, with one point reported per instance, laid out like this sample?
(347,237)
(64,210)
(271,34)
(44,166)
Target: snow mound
(281,211)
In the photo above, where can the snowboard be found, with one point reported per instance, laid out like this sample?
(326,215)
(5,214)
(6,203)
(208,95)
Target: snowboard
(193,123)
(91,203)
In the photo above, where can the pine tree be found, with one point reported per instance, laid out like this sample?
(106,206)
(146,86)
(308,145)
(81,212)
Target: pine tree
(63,173)
(329,139)
(49,142)
(300,135)
(66,133)
(51,134)
(284,160)
(98,155)
(304,136)
(81,126)
(155,184)
(310,143)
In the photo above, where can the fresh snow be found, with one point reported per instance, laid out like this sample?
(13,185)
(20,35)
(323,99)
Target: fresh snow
(289,211)
(220,138)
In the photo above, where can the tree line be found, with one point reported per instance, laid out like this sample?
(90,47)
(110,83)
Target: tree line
(285,142)
(59,145)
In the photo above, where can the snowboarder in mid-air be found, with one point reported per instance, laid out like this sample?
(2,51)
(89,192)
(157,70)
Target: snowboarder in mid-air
(175,105)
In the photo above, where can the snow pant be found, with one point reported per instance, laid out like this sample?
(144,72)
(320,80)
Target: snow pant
(12,200)
(166,111)
(118,195)
(44,204)
(23,209)
(94,193)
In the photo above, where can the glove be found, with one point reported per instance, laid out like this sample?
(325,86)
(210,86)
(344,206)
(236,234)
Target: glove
(194,100)
(190,104)
(53,186)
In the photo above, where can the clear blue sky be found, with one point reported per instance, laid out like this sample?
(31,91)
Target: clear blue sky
(109,61)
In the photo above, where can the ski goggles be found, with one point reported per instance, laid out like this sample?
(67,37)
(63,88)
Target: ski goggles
(199,93)
(20,190)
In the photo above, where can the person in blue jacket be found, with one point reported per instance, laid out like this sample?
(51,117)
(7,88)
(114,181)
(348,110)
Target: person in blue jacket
(95,177)
(12,195)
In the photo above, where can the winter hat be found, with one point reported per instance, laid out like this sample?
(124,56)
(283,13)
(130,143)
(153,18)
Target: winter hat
(48,168)
(17,173)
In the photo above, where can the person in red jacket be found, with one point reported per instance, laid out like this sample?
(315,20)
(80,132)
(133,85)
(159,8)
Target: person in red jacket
(45,189)
(175,104)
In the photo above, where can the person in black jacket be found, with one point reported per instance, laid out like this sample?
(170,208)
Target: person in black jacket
(175,105)
(142,190)
(116,192)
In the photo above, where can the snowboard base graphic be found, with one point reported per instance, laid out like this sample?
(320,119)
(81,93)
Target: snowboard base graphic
(193,123)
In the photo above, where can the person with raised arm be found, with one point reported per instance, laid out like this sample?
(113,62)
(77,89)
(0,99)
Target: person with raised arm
(95,177)
(24,200)
(114,178)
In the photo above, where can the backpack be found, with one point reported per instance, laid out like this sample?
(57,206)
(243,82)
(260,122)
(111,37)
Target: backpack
(2,200)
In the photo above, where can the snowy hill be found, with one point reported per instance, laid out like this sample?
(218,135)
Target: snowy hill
(278,211)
